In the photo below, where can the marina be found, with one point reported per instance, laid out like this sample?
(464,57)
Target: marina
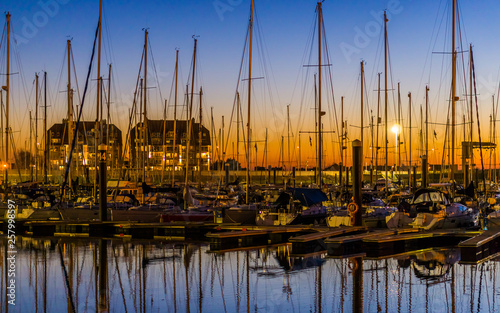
(200,198)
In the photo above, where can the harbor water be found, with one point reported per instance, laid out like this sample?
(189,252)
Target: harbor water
(122,275)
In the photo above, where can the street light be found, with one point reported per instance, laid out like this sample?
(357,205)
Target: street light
(396,129)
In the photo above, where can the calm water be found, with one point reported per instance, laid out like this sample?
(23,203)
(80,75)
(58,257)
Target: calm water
(147,276)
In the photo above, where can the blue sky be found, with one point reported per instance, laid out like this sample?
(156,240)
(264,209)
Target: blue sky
(416,29)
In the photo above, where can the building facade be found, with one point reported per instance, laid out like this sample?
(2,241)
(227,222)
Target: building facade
(160,153)
(86,144)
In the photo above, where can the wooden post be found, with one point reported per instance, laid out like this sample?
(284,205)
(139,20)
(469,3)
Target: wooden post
(357,178)
(103,208)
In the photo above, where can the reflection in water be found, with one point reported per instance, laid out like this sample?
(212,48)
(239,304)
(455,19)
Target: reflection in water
(66,275)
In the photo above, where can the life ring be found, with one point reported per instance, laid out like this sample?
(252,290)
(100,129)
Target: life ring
(352,264)
(352,208)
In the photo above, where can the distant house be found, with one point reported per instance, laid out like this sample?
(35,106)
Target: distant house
(84,152)
(159,150)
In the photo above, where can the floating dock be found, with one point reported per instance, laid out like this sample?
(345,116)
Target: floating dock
(475,246)
(481,247)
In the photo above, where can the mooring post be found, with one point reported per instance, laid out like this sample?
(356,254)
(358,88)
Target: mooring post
(103,207)
(410,181)
(227,174)
(346,178)
(414,177)
(341,169)
(357,178)
(293,175)
(424,171)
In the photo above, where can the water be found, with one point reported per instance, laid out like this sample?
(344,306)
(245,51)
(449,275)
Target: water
(153,276)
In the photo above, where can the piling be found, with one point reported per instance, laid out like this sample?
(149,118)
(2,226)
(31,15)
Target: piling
(424,171)
(414,177)
(103,207)
(357,178)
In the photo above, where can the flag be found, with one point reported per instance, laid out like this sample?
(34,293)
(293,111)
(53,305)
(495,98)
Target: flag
(255,147)
(435,135)
(310,141)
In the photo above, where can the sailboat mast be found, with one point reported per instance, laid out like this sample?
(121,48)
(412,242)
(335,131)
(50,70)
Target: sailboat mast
(98,126)
(190,124)
(200,135)
(174,155)
(70,112)
(7,99)
(398,131)
(471,146)
(265,148)
(372,150)
(212,135)
(237,131)
(410,150)
(145,94)
(108,106)
(427,121)
(249,101)
(378,123)
(362,91)
(36,126)
(99,63)
(141,165)
(320,139)
(46,137)
(288,134)
(164,159)
(454,97)
(341,177)
(385,92)
(31,148)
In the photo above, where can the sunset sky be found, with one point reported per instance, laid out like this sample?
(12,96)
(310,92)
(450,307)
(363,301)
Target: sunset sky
(283,44)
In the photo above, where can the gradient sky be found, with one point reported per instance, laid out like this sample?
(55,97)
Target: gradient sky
(416,29)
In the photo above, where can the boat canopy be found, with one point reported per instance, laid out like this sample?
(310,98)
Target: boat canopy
(309,196)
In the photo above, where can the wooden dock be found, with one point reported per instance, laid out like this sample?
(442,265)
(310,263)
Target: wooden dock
(399,243)
(480,247)
(307,243)
(353,244)
(175,230)
(255,237)
(475,246)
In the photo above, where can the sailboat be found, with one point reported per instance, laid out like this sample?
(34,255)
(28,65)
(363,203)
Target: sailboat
(432,208)
(304,205)
(246,213)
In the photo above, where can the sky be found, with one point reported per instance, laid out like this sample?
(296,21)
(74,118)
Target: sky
(284,42)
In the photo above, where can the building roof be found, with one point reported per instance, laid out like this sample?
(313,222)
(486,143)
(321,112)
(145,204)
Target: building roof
(85,128)
(156,127)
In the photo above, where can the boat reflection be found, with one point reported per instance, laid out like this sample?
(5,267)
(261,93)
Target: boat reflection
(431,264)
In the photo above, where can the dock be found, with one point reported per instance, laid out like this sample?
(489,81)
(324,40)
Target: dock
(254,237)
(481,247)
(475,246)
(313,242)
(410,241)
